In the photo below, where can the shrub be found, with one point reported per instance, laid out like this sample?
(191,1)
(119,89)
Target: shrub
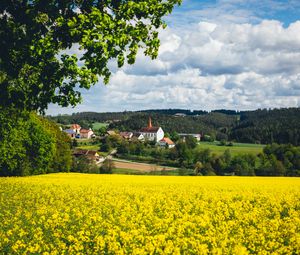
(107,167)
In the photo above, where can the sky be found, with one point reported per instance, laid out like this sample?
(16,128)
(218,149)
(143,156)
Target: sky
(225,54)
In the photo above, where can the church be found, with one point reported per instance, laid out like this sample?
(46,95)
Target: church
(151,133)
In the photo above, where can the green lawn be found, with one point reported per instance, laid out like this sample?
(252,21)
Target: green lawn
(98,125)
(237,148)
(88,147)
(83,140)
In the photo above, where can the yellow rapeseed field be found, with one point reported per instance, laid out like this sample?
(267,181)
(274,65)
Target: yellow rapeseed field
(115,214)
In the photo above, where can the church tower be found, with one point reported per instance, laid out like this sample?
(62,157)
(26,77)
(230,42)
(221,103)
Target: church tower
(149,122)
(152,133)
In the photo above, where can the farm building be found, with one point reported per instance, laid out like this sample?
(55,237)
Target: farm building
(166,142)
(76,128)
(90,154)
(86,133)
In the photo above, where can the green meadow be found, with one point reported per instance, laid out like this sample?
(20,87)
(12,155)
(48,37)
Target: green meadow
(237,148)
(98,125)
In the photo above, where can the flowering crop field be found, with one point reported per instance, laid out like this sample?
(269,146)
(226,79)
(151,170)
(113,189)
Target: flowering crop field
(115,214)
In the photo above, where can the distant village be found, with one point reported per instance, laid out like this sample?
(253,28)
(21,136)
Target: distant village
(148,133)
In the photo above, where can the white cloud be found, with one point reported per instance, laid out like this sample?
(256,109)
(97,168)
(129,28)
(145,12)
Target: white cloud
(210,66)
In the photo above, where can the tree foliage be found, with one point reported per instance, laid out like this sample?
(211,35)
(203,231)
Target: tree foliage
(275,160)
(268,126)
(107,167)
(84,164)
(36,68)
(31,144)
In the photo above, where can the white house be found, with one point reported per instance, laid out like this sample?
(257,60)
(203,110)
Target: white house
(166,142)
(86,133)
(152,133)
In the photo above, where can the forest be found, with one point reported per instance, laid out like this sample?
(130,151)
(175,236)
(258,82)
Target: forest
(262,126)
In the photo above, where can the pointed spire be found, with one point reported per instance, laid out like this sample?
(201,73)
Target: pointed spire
(149,122)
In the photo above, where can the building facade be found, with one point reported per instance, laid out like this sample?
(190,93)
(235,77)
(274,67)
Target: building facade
(151,133)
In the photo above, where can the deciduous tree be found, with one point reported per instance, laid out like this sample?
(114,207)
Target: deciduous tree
(35,66)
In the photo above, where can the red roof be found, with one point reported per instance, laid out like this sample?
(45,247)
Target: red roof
(85,130)
(167,141)
(150,129)
(75,126)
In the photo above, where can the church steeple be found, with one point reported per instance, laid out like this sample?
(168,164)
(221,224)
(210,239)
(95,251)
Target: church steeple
(149,122)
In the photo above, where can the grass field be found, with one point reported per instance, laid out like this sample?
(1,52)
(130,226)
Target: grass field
(237,148)
(123,214)
(84,140)
(89,147)
(98,125)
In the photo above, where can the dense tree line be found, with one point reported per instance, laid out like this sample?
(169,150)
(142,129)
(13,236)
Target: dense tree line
(30,144)
(268,126)
(260,126)
(207,124)
(175,111)
(116,116)
(91,117)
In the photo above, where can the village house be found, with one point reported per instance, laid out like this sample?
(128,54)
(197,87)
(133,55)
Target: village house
(75,131)
(86,133)
(126,135)
(152,133)
(89,154)
(70,132)
(76,128)
(166,142)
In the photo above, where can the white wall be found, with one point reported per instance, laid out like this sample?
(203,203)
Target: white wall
(160,134)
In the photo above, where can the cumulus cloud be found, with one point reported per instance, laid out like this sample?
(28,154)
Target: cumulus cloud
(209,65)
(234,48)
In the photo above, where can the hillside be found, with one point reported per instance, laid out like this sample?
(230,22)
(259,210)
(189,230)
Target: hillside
(259,126)
(208,123)
(268,126)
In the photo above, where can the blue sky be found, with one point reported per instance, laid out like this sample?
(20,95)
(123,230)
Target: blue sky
(230,54)
(286,11)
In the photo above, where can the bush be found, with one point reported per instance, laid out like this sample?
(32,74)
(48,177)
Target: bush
(107,167)
(83,164)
